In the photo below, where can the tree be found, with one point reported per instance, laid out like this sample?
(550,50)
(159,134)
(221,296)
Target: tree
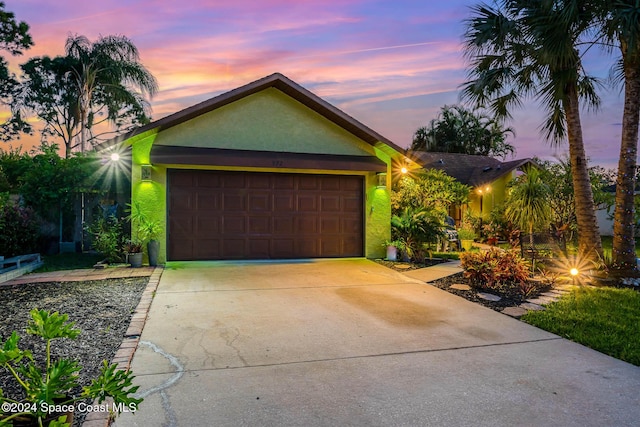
(558,176)
(431,189)
(458,130)
(527,204)
(620,26)
(14,38)
(526,49)
(93,84)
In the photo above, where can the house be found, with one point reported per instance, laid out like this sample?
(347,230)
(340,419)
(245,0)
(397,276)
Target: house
(488,177)
(266,171)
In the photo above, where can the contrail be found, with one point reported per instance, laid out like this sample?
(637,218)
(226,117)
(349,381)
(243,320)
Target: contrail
(347,52)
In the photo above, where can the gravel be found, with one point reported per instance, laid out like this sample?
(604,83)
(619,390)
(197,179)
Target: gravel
(101,309)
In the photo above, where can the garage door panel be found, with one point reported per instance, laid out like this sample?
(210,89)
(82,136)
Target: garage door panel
(282,226)
(351,247)
(244,215)
(307,248)
(331,248)
(330,203)
(182,201)
(182,227)
(305,225)
(207,248)
(352,205)
(308,183)
(229,181)
(257,182)
(307,203)
(284,203)
(259,248)
(234,248)
(208,201)
(330,225)
(259,202)
(234,202)
(350,225)
(283,248)
(208,181)
(330,183)
(259,225)
(351,185)
(208,227)
(233,225)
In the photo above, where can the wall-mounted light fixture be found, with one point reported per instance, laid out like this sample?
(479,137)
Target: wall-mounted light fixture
(145,172)
(382,179)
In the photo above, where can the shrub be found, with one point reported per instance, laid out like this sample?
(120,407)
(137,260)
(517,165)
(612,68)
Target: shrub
(494,269)
(107,238)
(415,228)
(20,230)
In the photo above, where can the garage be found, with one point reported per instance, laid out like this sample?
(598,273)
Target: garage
(268,170)
(214,215)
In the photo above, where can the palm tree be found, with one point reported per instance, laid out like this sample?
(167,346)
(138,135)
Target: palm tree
(458,130)
(107,74)
(529,49)
(620,26)
(528,202)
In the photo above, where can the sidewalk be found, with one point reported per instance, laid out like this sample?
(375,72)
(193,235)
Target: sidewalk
(81,275)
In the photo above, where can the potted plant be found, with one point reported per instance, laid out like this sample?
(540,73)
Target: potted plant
(466,237)
(47,386)
(133,250)
(392,249)
(146,229)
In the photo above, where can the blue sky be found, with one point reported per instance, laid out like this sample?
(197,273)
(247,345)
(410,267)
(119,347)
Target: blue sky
(390,64)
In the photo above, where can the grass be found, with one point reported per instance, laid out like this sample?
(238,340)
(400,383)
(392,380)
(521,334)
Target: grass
(604,319)
(69,261)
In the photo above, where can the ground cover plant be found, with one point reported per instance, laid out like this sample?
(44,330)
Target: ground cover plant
(604,319)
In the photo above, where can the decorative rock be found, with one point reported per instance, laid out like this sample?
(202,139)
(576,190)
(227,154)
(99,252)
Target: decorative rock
(489,297)
(530,306)
(516,312)
(460,287)
(542,300)
(402,266)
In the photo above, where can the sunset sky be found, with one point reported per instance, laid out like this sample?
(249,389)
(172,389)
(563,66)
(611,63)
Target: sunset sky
(390,64)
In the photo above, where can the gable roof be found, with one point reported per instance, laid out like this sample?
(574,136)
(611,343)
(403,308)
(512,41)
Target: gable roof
(283,84)
(468,169)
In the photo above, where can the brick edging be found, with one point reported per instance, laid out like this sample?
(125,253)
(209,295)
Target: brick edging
(129,344)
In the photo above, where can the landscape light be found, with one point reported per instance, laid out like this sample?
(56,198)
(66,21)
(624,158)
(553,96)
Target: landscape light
(574,271)
(404,170)
(115,157)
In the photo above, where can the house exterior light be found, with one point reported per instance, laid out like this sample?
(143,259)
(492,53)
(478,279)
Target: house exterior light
(145,172)
(382,179)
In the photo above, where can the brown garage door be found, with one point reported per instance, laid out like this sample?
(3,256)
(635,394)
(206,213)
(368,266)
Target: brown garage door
(251,215)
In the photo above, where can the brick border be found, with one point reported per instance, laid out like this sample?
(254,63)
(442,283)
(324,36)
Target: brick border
(127,349)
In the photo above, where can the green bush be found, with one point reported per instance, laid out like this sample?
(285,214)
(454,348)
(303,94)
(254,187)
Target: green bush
(108,238)
(494,269)
(415,228)
(20,230)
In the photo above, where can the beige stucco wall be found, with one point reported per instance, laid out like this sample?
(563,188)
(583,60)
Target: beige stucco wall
(266,121)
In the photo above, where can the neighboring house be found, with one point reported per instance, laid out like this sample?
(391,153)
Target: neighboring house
(488,177)
(268,170)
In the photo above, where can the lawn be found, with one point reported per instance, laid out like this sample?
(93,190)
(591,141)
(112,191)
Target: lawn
(604,319)
(69,261)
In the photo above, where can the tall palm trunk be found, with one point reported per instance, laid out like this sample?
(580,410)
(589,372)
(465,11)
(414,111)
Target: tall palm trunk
(624,253)
(589,241)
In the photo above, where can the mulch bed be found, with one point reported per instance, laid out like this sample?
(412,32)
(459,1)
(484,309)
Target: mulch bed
(101,309)
(509,297)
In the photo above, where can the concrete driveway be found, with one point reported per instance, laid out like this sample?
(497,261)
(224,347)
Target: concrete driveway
(352,343)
